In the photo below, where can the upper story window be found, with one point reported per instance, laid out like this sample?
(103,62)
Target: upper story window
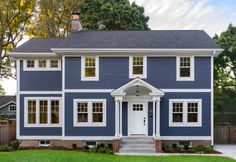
(90,68)
(30,63)
(138,66)
(185,112)
(185,68)
(42,111)
(42,65)
(12,108)
(90,112)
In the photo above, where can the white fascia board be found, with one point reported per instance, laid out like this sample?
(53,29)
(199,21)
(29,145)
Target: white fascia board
(32,54)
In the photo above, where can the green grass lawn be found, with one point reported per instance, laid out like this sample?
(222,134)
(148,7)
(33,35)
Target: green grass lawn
(74,156)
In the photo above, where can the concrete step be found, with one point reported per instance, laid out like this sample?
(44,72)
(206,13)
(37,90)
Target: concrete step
(137,150)
(138,142)
(137,138)
(151,146)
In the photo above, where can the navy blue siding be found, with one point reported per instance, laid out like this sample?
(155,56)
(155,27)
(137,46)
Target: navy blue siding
(108,130)
(150,119)
(34,131)
(205,130)
(40,80)
(125,118)
(114,72)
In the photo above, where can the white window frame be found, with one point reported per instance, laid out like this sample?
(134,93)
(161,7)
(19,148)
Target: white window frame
(44,145)
(37,124)
(83,77)
(37,68)
(185,122)
(192,67)
(90,112)
(9,107)
(131,75)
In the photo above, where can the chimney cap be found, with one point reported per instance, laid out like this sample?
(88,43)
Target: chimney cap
(75,13)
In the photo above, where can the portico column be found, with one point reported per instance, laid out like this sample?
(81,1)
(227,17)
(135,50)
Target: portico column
(120,104)
(116,118)
(154,118)
(158,120)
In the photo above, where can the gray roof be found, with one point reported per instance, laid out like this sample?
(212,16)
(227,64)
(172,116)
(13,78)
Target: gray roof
(155,39)
(6,99)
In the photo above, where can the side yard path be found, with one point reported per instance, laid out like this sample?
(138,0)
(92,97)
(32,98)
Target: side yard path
(74,156)
(227,150)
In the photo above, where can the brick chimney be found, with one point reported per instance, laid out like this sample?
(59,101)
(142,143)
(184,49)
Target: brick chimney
(76,24)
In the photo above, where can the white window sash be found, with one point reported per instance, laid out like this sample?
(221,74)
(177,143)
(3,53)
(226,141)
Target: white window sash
(185,122)
(83,77)
(38,124)
(90,122)
(144,75)
(37,68)
(192,67)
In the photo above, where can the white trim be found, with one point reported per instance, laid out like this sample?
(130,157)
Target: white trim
(9,108)
(212,101)
(90,113)
(40,92)
(44,145)
(32,54)
(83,77)
(185,138)
(11,102)
(192,69)
(185,122)
(37,68)
(131,75)
(63,97)
(37,99)
(18,99)
(88,90)
(186,90)
(40,138)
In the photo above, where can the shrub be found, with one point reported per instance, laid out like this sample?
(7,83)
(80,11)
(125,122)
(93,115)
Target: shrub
(86,147)
(174,146)
(209,149)
(74,146)
(4,148)
(109,145)
(15,144)
(199,148)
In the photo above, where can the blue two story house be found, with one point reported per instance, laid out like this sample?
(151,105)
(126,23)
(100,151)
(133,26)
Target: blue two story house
(136,89)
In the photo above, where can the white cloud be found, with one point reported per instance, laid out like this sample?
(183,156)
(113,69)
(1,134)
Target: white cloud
(187,14)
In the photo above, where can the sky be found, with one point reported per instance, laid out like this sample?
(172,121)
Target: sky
(213,16)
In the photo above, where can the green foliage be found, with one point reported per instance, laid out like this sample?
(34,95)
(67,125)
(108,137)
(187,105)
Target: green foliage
(74,146)
(225,68)
(52,18)
(200,149)
(112,15)
(15,144)
(14,17)
(4,148)
(2,91)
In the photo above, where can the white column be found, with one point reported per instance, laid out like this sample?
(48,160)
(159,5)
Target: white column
(154,118)
(158,117)
(120,103)
(116,118)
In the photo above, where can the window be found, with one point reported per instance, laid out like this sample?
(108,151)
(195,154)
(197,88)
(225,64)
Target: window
(31,112)
(12,108)
(30,63)
(42,65)
(185,112)
(185,143)
(138,67)
(42,111)
(55,111)
(90,144)
(44,143)
(54,64)
(90,68)
(90,112)
(185,68)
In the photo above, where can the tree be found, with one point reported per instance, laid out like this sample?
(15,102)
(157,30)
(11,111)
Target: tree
(52,18)
(2,91)
(14,16)
(112,15)
(225,67)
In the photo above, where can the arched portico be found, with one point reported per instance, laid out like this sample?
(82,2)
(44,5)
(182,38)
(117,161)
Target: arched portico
(137,92)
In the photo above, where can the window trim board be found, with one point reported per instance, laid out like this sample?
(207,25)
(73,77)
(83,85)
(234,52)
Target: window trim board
(89,123)
(185,122)
(192,69)
(144,75)
(96,78)
(37,68)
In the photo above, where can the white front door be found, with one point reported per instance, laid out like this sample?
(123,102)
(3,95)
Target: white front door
(137,118)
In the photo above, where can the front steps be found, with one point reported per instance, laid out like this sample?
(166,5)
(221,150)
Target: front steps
(137,145)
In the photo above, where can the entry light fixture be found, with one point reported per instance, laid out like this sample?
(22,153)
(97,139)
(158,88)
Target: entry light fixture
(137,91)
